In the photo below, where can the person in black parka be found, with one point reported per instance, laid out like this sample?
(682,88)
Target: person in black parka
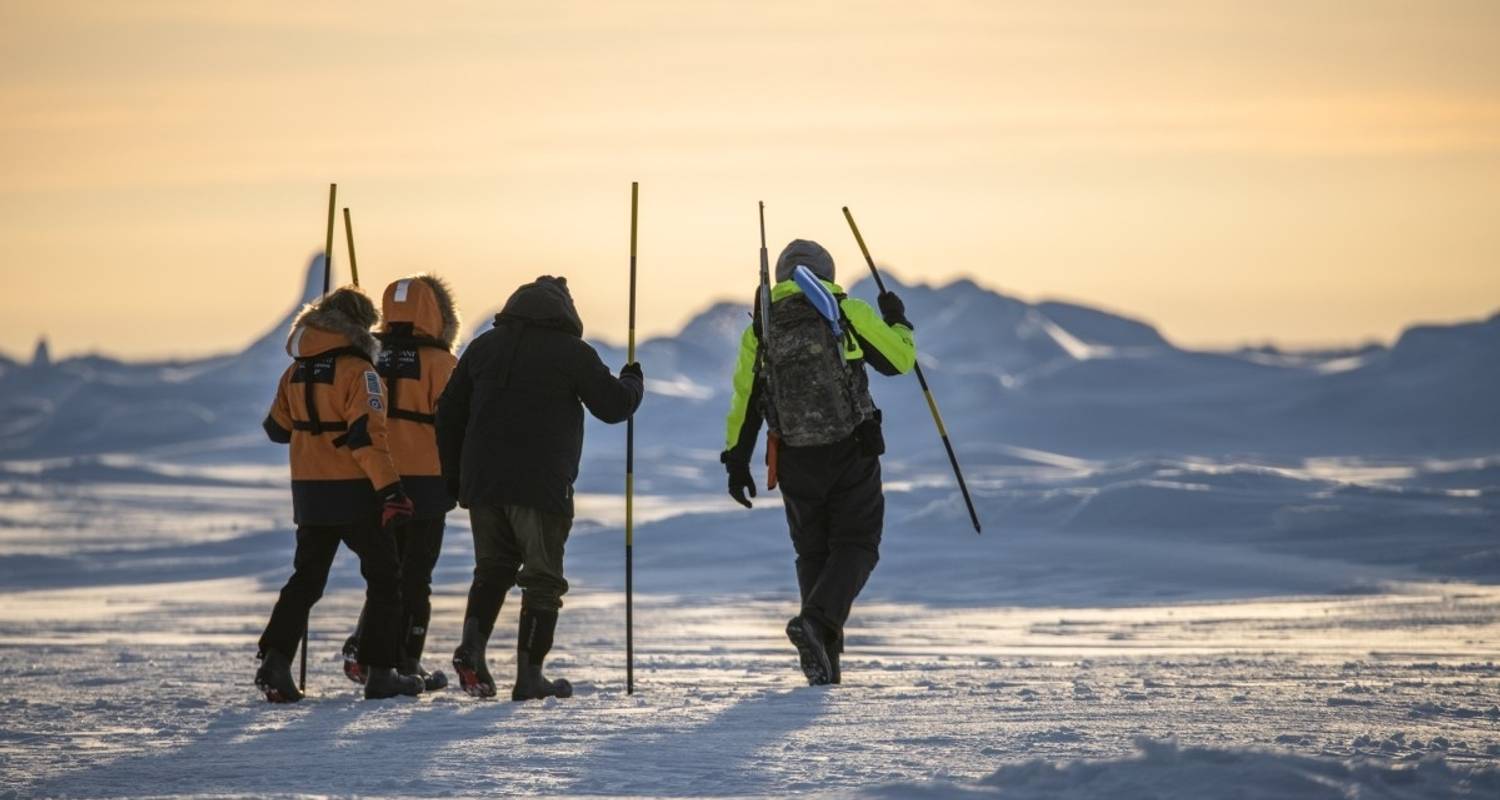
(510,434)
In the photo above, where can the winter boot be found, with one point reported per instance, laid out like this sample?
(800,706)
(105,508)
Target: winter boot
(530,683)
(431,681)
(468,661)
(833,644)
(533,642)
(353,670)
(807,636)
(383,682)
(274,678)
(411,662)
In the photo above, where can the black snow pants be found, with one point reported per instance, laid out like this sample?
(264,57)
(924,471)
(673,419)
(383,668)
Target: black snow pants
(380,636)
(836,511)
(418,544)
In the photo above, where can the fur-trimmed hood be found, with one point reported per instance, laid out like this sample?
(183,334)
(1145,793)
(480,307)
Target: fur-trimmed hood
(422,306)
(342,318)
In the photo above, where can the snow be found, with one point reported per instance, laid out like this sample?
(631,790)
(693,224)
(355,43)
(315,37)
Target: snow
(975,664)
(1164,770)
(1203,574)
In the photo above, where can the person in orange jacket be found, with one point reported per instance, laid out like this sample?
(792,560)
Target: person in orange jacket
(418,331)
(330,407)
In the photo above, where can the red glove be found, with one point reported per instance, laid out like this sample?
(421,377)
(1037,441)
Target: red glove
(395,507)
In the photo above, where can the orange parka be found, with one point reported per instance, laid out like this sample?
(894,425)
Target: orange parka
(417,336)
(330,407)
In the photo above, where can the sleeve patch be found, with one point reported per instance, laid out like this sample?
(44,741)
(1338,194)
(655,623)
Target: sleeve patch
(375,403)
(372,383)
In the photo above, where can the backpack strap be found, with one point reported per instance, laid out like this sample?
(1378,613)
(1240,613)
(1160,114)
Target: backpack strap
(393,409)
(313,424)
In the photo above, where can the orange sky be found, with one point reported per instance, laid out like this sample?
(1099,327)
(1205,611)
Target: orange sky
(1233,171)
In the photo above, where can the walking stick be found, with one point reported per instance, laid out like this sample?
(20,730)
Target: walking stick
(937,417)
(333,190)
(630,469)
(349,236)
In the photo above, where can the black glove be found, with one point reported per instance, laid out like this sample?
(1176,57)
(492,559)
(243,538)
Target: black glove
(739,480)
(893,310)
(633,368)
(395,507)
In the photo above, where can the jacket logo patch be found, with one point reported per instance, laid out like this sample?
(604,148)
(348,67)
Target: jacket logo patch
(375,403)
(372,383)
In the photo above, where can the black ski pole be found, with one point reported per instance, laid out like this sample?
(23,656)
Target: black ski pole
(630,470)
(937,417)
(349,236)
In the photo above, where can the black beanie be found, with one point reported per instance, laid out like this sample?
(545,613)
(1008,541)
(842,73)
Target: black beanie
(808,254)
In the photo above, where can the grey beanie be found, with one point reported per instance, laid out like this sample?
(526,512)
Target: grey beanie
(809,254)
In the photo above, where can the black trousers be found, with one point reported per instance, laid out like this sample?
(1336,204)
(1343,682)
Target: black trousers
(379,641)
(418,545)
(836,511)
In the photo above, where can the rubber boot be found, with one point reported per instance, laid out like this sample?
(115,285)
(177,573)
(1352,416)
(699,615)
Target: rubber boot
(833,644)
(807,636)
(532,685)
(383,682)
(411,662)
(468,661)
(431,681)
(274,678)
(533,642)
(353,670)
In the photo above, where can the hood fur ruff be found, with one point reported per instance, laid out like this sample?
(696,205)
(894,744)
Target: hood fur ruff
(451,318)
(442,295)
(331,320)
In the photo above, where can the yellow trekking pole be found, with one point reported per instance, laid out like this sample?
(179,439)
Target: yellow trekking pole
(937,417)
(349,236)
(630,469)
(333,190)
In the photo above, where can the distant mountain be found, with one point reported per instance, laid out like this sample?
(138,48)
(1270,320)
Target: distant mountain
(93,404)
(1052,376)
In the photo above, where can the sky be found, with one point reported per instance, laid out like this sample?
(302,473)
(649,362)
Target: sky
(1306,173)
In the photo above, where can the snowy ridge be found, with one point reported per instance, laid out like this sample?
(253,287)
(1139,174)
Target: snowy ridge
(1052,376)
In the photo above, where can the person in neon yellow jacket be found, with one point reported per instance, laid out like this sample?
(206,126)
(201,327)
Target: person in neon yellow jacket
(832,493)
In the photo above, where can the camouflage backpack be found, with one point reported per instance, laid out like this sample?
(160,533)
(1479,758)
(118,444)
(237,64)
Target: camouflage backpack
(815,396)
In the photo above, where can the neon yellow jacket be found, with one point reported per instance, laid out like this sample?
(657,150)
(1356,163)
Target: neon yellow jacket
(890,349)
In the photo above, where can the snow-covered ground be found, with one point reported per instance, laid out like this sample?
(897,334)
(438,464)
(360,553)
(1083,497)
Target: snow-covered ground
(1311,629)
(1247,574)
